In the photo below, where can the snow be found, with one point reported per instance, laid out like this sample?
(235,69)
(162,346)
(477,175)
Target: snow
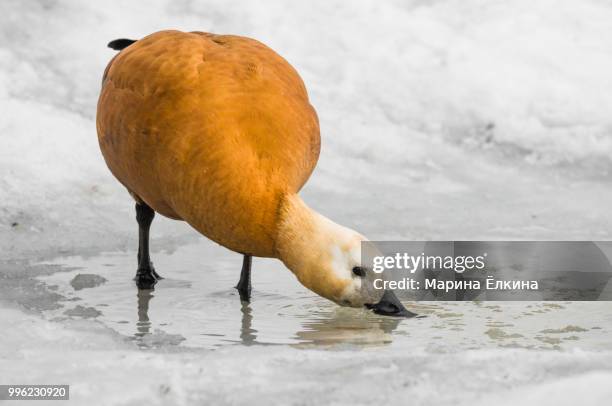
(440,120)
(435,109)
(83,354)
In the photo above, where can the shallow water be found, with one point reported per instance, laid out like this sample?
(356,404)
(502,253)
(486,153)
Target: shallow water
(196,306)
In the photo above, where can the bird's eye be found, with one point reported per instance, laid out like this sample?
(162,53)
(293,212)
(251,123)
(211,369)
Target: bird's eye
(359,271)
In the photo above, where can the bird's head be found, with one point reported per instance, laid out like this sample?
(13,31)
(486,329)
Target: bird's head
(326,258)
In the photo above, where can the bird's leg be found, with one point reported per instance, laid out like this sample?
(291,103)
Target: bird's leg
(244,284)
(146,277)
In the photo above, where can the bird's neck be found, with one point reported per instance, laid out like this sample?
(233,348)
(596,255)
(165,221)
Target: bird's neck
(297,231)
(303,240)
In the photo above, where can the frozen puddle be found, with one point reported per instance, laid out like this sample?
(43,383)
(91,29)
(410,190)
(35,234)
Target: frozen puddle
(196,306)
(117,346)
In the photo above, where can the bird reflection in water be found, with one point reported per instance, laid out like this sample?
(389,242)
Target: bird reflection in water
(348,326)
(143,325)
(247,332)
(324,327)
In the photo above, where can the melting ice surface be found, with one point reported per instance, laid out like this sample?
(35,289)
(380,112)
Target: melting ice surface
(191,341)
(461,120)
(197,306)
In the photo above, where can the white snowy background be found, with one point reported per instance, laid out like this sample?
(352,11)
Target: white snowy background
(440,119)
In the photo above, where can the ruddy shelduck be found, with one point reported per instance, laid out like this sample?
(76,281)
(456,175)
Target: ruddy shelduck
(218,131)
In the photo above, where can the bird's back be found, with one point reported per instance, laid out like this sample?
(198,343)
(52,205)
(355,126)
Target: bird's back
(211,129)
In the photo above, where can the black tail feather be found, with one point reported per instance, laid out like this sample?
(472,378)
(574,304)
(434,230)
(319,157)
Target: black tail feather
(120,43)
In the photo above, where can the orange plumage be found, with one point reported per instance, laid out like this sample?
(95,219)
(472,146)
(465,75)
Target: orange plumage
(215,130)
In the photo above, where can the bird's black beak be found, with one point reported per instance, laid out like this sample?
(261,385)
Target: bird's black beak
(390,305)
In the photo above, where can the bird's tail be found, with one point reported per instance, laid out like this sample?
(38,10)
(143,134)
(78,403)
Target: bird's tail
(120,43)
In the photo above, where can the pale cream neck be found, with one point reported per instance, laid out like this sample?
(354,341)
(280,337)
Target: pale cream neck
(304,242)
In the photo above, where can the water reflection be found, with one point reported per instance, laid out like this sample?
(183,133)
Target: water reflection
(143,325)
(349,326)
(334,325)
(197,307)
(247,332)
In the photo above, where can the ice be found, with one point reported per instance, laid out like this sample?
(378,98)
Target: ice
(84,281)
(430,113)
(84,312)
(440,120)
(191,342)
(105,370)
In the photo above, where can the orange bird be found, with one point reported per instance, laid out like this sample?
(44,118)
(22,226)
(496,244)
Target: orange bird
(218,131)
